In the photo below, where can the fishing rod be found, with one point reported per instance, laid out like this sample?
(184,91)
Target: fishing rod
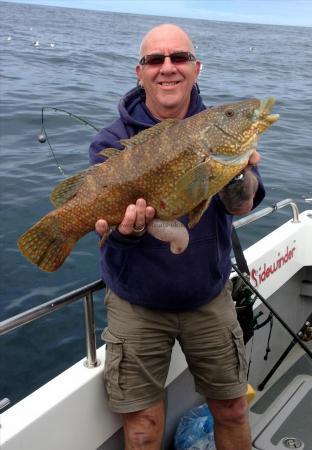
(43,135)
(272,310)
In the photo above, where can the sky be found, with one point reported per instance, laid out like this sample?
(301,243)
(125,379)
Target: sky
(279,12)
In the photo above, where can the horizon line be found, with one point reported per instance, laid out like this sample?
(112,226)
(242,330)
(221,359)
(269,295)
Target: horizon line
(157,15)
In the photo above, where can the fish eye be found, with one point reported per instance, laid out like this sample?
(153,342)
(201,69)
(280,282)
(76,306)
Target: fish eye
(229,112)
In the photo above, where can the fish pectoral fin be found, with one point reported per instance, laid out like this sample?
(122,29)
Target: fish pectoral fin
(190,190)
(149,133)
(109,153)
(196,214)
(68,188)
(194,185)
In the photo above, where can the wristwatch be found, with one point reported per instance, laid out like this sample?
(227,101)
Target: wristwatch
(238,179)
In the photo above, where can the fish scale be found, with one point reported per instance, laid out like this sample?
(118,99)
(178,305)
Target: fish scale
(176,166)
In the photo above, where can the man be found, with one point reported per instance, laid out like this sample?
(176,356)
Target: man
(155,297)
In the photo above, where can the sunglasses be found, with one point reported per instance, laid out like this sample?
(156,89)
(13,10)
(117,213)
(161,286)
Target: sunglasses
(158,59)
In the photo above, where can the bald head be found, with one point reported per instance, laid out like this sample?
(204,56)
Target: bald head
(158,37)
(168,82)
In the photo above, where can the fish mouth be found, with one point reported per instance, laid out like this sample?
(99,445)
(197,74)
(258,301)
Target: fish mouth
(263,112)
(243,146)
(235,160)
(261,120)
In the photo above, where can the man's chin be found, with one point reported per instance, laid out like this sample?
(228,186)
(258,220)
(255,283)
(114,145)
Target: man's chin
(170,100)
(167,105)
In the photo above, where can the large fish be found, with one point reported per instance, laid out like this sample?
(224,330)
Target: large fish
(176,166)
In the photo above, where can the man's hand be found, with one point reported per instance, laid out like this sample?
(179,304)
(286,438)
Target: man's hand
(135,220)
(101,227)
(238,197)
(254,159)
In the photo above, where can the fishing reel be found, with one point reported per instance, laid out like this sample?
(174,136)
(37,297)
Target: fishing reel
(242,294)
(244,298)
(305,333)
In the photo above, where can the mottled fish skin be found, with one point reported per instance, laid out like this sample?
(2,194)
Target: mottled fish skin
(176,166)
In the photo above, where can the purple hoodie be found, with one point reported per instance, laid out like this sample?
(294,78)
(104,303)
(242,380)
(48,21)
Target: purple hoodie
(143,270)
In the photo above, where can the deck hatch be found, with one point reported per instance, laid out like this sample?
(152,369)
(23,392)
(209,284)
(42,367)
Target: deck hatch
(287,424)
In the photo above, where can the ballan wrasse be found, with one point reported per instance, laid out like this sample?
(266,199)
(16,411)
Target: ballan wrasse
(176,166)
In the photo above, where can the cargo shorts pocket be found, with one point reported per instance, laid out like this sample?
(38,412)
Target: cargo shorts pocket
(114,354)
(238,340)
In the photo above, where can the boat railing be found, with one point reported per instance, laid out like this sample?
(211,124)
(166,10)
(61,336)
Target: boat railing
(86,293)
(266,211)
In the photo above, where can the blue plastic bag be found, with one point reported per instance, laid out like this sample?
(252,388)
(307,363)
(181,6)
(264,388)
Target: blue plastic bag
(195,430)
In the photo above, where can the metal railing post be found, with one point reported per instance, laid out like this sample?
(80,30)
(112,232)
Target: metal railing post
(43,309)
(91,360)
(264,212)
(295,212)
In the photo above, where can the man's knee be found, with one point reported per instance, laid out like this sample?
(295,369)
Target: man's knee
(144,429)
(229,412)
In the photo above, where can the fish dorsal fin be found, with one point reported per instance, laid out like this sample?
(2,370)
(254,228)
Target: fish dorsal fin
(109,153)
(150,133)
(67,189)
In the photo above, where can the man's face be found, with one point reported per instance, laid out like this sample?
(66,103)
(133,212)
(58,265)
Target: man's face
(168,86)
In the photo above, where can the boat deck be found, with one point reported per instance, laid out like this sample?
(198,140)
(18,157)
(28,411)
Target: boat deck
(280,415)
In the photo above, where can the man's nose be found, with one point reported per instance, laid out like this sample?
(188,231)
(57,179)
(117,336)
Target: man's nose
(168,66)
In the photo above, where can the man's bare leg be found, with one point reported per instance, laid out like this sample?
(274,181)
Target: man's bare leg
(231,426)
(144,429)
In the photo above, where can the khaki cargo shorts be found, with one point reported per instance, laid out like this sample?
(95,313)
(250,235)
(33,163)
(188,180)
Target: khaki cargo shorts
(139,343)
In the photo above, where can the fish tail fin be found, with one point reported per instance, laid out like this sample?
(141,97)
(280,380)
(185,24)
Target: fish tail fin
(45,245)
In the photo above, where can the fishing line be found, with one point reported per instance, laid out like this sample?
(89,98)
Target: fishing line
(43,135)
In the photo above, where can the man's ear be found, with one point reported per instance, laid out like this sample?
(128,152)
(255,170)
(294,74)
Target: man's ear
(198,66)
(138,70)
